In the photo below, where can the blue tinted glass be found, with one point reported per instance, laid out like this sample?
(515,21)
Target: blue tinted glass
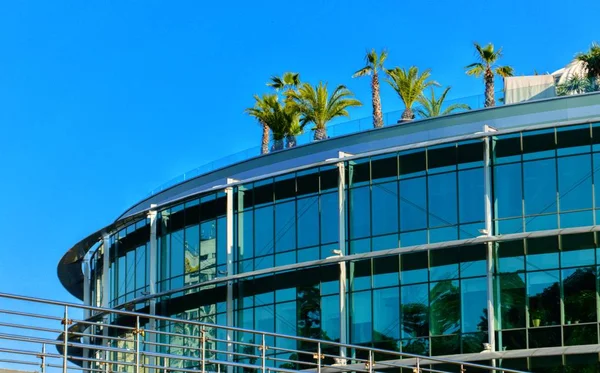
(329,218)
(360,275)
(508,196)
(576,219)
(308,221)
(285,323)
(385,242)
(413,238)
(596,171)
(470,195)
(544,297)
(445,307)
(469,230)
(330,311)
(575,182)
(264,318)
(443,264)
(442,200)
(415,308)
(443,234)
(360,217)
(414,268)
(263,231)
(540,187)
(360,246)
(385,208)
(509,226)
(285,226)
(245,234)
(575,258)
(264,262)
(177,253)
(413,204)
(361,328)
(386,304)
(541,222)
(308,254)
(474,304)
(285,258)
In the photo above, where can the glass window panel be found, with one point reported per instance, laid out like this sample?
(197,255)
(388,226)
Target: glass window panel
(511,300)
(470,154)
(285,258)
(264,319)
(385,271)
(329,218)
(361,318)
(360,246)
(541,222)
(360,275)
(513,340)
(285,323)
(191,254)
(544,298)
(509,226)
(308,254)
(544,337)
(329,178)
(443,234)
(442,200)
(330,309)
(539,144)
(474,304)
(263,192)
(285,226)
(264,262)
(263,231)
(384,209)
(442,158)
(577,250)
(177,253)
(413,238)
(308,221)
(285,187)
(417,346)
(572,140)
(507,148)
(576,219)
(385,242)
(511,256)
(358,172)
(307,182)
(540,187)
(415,308)
(245,196)
(470,195)
(575,182)
(246,234)
(308,311)
(445,307)
(444,264)
(384,167)
(579,286)
(576,335)
(386,317)
(130,275)
(466,231)
(360,217)
(412,163)
(414,267)
(471,343)
(447,345)
(542,253)
(473,261)
(413,204)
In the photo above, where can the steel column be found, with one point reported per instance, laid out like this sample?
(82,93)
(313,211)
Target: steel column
(229,269)
(487,175)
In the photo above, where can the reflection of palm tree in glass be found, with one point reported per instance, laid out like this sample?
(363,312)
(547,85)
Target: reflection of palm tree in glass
(445,308)
(415,321)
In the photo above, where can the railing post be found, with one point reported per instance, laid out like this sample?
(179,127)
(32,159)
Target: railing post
(318,357)
(43,357)
(417,367)
(370,361)
(65,323)
(264,354)
(203,348)
(137,334)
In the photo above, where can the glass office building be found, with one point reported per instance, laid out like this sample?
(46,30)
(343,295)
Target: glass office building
(456,234)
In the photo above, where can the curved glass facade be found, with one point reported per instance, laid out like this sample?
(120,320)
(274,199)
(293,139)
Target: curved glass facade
(429,301)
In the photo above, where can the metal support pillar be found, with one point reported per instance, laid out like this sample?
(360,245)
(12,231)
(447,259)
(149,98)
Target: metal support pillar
(229,269)
(87,300)
(105,285)
(342,252)
(487,175)
(152,270)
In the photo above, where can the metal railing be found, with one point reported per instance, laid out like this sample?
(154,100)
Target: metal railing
(57,336)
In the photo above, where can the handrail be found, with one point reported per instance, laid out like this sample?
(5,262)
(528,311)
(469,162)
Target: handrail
(138,349)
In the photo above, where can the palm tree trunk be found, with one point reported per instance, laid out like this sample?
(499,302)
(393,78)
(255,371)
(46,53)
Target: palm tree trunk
(320,134)
(489,89)
(265,139)
(290,141)
(407,115)
(377,115)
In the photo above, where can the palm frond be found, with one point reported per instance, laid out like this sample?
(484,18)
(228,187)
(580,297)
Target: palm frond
(505,71)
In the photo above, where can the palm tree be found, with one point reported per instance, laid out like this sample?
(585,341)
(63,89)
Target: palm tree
(486,65)
(294,130)
(432,106)
(316,106)
(260,111)
(280,119)
(409,85)
(287,83)
(592,61)
(374,63)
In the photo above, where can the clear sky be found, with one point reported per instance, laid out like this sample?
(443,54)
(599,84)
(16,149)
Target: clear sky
(102,101)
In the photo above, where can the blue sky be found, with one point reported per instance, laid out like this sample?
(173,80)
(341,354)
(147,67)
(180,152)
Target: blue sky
(100,102)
